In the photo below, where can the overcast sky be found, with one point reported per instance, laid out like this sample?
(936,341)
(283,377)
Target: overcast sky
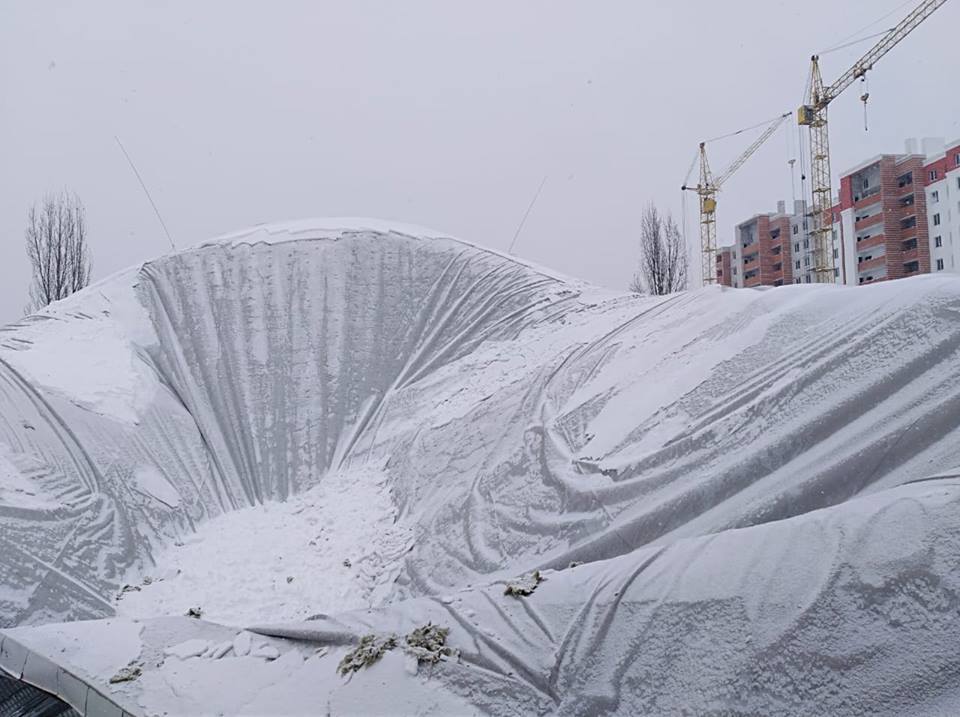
(444,114)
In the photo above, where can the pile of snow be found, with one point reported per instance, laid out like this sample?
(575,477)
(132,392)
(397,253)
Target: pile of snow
(336,547)
(320,433)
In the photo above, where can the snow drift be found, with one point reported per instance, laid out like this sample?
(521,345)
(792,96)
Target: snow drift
(755,487)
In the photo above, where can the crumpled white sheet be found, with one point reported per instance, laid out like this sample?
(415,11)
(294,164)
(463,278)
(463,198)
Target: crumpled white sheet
(528,421)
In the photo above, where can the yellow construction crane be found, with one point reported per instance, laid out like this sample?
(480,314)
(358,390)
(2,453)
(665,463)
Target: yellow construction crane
(707,189)
(813,114)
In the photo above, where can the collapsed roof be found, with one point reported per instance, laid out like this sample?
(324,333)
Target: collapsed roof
(737,502)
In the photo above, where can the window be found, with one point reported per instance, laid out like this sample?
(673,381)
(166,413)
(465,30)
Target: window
(939,264)
(836,273)
(936,219)
(933,175)
(934,197)
(836,253)
(958,182)
(806,261)
(938,241)
(797,280)
(796,247)
(796,228)
(796,264)
(806,243)
(807,279)
(956,159)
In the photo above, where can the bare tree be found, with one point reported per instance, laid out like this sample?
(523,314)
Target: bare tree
(57,248)
(663,255)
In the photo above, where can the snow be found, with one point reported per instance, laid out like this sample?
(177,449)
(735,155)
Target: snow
(322,430)
(100,647)
(150,481)
(283,561)
(83,348)
(17,488)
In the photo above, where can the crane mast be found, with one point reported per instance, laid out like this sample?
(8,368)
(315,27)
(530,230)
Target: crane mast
(813,114)
(707,189)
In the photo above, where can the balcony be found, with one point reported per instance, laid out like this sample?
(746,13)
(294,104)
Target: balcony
(908,222)
(872,241)
(911,267)
(866,194)
(867,201)
(910,255)
(871,221)
(871,264)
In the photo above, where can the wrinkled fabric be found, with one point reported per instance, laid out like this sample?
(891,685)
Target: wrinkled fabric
(527,421)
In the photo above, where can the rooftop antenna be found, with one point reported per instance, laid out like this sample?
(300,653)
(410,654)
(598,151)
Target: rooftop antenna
(526,214)
(147,192)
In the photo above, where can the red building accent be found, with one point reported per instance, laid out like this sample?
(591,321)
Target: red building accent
(890,217)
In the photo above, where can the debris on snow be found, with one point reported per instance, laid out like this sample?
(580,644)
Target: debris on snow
(428,643)
(126,674)
(524,586)
(127,589)
(195,612)
(370,649)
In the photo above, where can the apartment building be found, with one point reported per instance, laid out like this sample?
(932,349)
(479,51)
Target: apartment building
(883,217)
(897,215)
(772,250)
(942,177)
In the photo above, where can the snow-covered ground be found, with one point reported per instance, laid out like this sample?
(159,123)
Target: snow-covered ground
(738,502)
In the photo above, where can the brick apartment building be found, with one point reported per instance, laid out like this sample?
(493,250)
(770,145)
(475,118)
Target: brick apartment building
(883,209)
(771,250)
(896,216)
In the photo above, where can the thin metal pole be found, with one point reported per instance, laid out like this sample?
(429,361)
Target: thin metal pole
(526,214)
(147,192)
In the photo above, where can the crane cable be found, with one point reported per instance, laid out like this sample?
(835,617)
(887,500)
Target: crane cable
(693,163)
(746,129)
(898,8)
(855,42)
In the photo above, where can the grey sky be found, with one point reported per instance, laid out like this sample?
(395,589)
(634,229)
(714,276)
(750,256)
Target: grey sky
(444,114)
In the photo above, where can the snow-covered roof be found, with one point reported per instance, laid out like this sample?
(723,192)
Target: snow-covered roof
(733,501)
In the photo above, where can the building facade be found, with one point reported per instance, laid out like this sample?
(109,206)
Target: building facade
(897,215)
(883,212)
(772,250)
(942,191)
